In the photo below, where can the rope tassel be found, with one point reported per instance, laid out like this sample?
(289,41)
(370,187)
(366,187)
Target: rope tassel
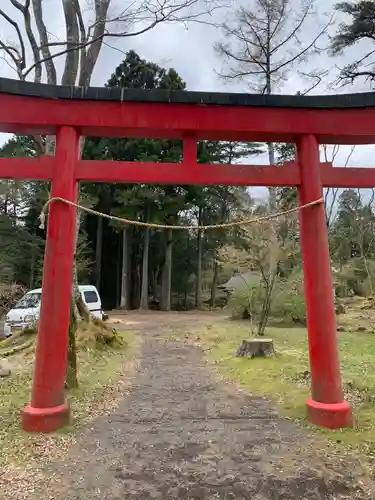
(226,225)
(42,218)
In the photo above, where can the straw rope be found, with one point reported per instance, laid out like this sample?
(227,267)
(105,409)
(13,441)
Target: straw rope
(150,225)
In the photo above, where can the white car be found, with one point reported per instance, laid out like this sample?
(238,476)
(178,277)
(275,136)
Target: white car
(27,310)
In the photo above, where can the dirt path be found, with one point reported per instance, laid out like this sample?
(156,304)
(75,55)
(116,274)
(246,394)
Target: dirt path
(180,434)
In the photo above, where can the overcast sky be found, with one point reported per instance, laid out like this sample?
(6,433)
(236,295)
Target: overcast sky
(190,51)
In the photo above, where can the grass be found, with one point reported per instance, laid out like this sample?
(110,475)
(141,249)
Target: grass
(282,379)
(101,376)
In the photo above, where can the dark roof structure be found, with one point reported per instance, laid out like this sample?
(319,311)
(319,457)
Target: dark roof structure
(239,281)
(340,101)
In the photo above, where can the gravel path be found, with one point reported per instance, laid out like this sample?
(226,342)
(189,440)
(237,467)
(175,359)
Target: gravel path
(181,434)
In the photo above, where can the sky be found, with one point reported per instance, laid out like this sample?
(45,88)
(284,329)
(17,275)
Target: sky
(190,50)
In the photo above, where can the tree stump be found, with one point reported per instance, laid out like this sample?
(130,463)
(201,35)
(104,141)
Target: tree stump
(257,347)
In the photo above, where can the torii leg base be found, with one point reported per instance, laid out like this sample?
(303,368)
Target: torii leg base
(44,420)
(331,416)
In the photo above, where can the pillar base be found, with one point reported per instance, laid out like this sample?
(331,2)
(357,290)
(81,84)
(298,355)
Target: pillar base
(330,415)
(45,419)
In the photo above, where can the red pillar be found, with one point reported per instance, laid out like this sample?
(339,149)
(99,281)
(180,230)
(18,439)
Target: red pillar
(326,406)
(48,409)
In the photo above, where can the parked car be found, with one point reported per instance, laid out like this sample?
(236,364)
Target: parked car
(26,312)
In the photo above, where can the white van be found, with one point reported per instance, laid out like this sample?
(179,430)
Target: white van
(27,310)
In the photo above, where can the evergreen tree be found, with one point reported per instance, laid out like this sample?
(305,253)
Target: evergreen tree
(161,204)
(136,260)
(359,29)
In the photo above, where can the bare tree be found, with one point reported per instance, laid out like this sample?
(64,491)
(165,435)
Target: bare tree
(262,43)
(32,52)
(251,260)
(87,30)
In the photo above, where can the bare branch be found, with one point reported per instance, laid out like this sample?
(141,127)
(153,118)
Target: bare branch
(82,46)
(304,51)
(5,60)
(12,53)
(162,12)
(19,58)
(25,10)
(318,77)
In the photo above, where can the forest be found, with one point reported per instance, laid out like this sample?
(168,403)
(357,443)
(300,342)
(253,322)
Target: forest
(163,269)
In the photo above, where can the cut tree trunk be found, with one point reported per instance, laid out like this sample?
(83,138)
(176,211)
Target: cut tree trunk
(5,369)
(257,347)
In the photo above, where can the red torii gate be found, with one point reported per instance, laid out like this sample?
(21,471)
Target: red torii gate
(27,108)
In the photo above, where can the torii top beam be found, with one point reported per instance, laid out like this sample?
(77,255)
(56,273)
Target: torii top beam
(29,108)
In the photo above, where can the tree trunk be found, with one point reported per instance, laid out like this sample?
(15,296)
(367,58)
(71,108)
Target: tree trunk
(71,369)
(154,283)
(271,190)
(272,206)
(214,282)
(71,377)
(99,253)
(124,275)
(266,307)
(223,219)
(263,320)
(79,309)
(136,286)
(272,273)
(144,288)
(198,283)
(167,273)
(118,272)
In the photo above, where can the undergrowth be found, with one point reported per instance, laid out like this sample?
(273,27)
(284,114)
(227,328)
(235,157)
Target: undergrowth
(100,369)
(285,378)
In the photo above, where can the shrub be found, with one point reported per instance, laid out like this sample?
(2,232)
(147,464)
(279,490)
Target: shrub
(357,275)
(9,296)
(288,301)
(246,301)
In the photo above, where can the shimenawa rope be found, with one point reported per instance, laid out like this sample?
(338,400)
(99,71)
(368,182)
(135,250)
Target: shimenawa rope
(151,225)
